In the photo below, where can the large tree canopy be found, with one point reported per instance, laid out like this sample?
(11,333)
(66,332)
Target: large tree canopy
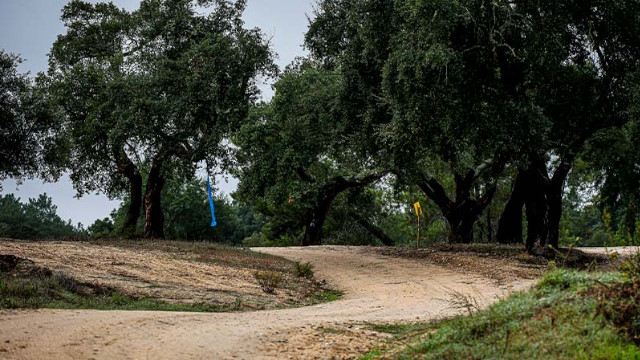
(163,85)
(438,81)
(587,55)
(301,151)
(478,85)
(24,122)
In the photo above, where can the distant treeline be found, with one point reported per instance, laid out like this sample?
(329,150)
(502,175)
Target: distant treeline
(186,209)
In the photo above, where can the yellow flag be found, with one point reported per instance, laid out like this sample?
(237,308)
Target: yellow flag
(418,209)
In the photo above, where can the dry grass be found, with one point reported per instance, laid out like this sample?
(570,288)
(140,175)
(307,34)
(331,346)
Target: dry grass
(177,273)
(500,262)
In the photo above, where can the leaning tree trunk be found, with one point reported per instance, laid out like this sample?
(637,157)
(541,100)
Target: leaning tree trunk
(372,228)
(154,220)
(510,222)
(317,215)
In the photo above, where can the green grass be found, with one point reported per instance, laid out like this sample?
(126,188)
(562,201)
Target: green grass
(399,330)
(327,295)
(561,318)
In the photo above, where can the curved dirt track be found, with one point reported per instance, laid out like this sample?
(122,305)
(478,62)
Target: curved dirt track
(377,289)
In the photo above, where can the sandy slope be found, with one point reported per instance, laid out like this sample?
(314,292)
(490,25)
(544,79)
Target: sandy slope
(378,289)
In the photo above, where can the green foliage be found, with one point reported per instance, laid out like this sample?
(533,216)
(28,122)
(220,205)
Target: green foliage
(327,296)
(188,217)
(24,122)
(304,270)
(268,281)
(584,226)
(135,96)
(300,151)
(36,219)
(101,228)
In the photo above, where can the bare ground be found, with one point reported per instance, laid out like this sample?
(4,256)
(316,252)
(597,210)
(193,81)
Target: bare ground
(378,288)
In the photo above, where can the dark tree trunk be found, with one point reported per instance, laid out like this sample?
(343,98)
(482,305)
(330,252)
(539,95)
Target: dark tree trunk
(543,200)
(537,203)
(317,215)
(463,212)
(489,226)
(154,221)
(133,212)
(510,222)
(554,198)
(130,171)
(373,229)
(461,220)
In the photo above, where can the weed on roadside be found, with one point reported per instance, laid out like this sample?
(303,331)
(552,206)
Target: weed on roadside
(268,281)
(304,270)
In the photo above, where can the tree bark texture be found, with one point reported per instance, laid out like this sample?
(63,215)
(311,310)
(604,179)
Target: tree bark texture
(131,172)
(154,219)
(510,222)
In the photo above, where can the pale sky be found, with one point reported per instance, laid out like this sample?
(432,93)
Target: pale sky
(29,28)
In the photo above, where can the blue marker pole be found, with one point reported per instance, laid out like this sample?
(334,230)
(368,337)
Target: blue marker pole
(213,213)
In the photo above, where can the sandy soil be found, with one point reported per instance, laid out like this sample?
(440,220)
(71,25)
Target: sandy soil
(377,288)
(171,274)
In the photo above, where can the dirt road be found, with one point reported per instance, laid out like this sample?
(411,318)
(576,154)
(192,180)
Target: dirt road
(377,289)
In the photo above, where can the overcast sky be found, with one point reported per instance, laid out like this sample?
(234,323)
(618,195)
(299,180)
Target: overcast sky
(29,28)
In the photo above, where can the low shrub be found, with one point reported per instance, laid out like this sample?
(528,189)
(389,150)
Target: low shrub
(304,270)
(268,281)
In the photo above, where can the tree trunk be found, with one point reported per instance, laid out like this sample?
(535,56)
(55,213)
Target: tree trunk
(489,226)
(154,221)
(510,222)
(317,215)
(135,195)
(462,213)
(373,229)
(554,198)
(537,204)
(127,168)
(543,200)
(461,220)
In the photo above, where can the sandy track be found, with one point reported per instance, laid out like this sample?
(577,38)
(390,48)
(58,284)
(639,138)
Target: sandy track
(377,289)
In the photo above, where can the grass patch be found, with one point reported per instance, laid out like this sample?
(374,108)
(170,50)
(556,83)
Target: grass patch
(327,295)
(564,316)
(399,329)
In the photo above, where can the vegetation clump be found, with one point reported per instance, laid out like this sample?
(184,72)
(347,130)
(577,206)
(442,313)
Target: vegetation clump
(304,270)
(268,281)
